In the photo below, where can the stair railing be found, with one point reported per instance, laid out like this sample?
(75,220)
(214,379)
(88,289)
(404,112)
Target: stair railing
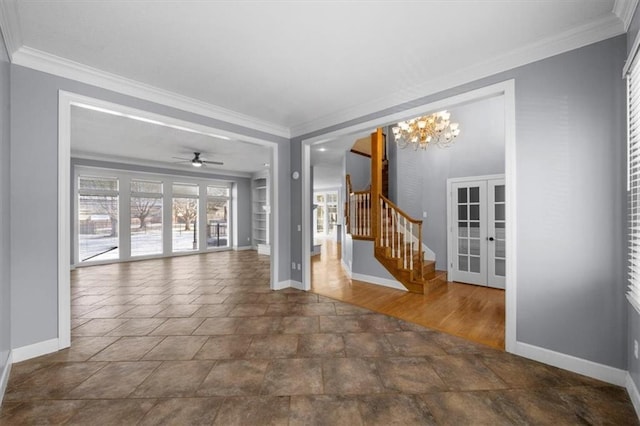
(358,212)
(360,215)
(402,235)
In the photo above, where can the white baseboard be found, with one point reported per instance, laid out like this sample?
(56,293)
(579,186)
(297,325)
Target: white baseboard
(240,248)
(632,389)
(379,281)
(37,349)
(585,367)
(4,379)
(288,284)
(297,285)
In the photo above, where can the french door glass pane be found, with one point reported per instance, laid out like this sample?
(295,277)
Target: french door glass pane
(462,195)
(500,267)
(98,227)
(474,264)
(474,194)
(217,222)
(146,226)
(185,224)
(463,263)
(499,193)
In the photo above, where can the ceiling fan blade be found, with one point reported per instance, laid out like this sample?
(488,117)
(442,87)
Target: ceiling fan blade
(183,159)
(218,163)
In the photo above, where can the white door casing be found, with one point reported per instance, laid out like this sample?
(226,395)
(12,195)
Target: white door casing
(476,237)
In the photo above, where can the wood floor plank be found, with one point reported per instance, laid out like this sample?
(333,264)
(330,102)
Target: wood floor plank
(473,312)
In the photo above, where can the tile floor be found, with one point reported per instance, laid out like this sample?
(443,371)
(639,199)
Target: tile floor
(202,340)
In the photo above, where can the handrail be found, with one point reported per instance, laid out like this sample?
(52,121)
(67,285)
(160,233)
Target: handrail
(400,234)
(391,203)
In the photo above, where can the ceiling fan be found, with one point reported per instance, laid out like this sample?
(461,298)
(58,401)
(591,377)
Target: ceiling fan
(196,161)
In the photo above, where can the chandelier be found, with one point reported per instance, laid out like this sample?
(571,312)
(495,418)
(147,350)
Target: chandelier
(421,132)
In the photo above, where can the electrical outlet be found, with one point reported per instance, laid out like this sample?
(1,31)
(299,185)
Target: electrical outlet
(424,215)
(299,228)
(635,349)
(298,266)
(293,265)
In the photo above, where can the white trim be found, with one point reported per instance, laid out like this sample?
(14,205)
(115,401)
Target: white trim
(37,349)
(65,100)
(307,192)
(81,155)
(10,26)
(281,285)
(634,395)
(582,366)
(242,248)
(42,61)
(428,253)
(506,89)
(511,288)
(64,217)
(378,281)
(591,32)
(298,285)
(288,284)
(4,379)
(624,10)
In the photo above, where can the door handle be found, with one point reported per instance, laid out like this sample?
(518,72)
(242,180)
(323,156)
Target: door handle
(490,238)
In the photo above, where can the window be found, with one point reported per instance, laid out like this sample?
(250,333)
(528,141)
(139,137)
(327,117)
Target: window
(146,218)
(98,218)
(185,217)
(325,214)
(217,216)
(633,181)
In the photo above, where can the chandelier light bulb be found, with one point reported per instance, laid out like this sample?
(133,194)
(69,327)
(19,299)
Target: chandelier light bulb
(421,132)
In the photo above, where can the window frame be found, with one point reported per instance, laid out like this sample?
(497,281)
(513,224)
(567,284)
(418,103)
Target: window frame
(632,76)
(125,177)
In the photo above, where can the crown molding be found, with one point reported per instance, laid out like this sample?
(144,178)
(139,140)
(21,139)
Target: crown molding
(595,31)
(10,26)
(61,67)
(624,9)
(127,161)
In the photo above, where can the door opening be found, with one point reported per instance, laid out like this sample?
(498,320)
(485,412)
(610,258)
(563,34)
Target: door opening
(477,240)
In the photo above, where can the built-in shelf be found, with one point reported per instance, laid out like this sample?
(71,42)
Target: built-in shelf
(260,213)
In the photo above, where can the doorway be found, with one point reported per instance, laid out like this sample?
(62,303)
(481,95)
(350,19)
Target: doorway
(476,237)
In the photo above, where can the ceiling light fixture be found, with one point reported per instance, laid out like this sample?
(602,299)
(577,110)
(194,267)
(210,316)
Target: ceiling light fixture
(422,132)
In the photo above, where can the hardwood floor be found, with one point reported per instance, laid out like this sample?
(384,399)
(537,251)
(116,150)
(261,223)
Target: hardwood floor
(472,312)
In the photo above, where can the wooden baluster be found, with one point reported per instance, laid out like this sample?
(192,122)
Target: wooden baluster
(411,246)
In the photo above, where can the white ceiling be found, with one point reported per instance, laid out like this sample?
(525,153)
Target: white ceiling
(300,64)
(105,136)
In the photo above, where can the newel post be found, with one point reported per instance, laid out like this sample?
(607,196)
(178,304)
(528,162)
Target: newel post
(376,183)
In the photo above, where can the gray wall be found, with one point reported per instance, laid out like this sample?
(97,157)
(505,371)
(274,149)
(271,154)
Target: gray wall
(5,265)
(422,175)
(34,128)
(570,148)
(242,216)
(359,167)
(633,333)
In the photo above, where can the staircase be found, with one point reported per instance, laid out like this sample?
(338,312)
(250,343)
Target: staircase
(397,237)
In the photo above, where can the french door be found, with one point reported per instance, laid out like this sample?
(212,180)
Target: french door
(477,232)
